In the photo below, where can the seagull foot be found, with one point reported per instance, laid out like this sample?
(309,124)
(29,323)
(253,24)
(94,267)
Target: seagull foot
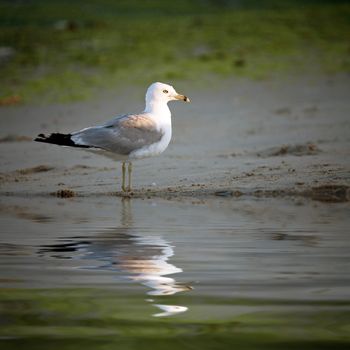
(126,194)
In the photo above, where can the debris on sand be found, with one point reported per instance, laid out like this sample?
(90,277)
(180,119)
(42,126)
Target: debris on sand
(329,193)
(36,169)
(15,138)
(295,150)
(64,193)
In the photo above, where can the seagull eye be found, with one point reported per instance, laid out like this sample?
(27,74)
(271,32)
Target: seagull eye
(165,91)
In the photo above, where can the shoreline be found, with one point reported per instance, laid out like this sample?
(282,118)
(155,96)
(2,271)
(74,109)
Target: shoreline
(279,138)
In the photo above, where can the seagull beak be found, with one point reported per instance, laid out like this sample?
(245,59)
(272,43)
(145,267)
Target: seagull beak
(182,98)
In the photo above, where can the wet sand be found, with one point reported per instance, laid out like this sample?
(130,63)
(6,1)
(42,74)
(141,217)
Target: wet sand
(278,137)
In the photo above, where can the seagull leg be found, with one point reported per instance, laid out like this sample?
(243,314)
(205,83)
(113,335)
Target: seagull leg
(123,177)
(129,173)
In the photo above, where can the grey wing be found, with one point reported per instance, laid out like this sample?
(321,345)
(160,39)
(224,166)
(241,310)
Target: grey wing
(121,135)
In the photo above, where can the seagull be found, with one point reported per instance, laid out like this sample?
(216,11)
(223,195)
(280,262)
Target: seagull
(130,136)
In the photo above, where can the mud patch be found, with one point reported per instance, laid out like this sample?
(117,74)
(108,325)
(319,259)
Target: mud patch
(15,138)
(21,175)
(283,110)
(82,166)
(34,170)
(295,150)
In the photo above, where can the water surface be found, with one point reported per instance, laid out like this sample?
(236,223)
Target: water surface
(108,273)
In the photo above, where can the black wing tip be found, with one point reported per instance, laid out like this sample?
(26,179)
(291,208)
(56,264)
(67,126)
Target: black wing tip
(58,139)
(40,138)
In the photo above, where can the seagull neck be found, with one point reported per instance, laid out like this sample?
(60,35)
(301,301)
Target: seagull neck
(157,108)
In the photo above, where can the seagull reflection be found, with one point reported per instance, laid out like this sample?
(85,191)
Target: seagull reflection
(140,258)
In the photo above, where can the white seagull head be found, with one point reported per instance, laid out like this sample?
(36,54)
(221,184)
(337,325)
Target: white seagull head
(163,93)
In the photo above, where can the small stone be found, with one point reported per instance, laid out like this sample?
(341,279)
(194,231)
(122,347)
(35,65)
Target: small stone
(65,193)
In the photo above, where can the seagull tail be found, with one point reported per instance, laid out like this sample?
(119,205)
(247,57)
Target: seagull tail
(58,139)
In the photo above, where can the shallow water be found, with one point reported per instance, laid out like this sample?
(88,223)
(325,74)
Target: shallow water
(110,273)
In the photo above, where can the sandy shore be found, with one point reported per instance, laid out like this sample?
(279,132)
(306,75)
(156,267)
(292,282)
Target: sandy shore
(263,138)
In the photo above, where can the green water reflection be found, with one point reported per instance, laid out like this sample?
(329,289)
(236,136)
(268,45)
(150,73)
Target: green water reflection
(106,319)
